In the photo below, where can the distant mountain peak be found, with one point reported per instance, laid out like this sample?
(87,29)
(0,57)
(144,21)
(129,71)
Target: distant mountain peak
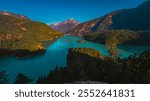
(71,19)
(65,26)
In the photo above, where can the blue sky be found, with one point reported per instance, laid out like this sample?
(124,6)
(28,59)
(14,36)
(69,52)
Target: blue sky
(53,11)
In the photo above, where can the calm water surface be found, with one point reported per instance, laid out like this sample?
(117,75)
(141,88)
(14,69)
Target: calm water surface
(56,53)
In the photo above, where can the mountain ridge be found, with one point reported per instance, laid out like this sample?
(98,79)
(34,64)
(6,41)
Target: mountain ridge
(14,15)
(20,35)
(65,26)
(131,19)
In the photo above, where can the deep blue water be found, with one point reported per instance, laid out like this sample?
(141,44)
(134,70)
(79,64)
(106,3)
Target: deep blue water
(56,54)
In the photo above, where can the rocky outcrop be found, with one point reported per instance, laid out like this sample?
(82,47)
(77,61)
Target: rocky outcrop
(83,57)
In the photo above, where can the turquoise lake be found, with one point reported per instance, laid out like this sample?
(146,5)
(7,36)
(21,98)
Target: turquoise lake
(55,55)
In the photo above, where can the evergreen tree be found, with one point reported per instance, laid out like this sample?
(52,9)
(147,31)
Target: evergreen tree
(22,79)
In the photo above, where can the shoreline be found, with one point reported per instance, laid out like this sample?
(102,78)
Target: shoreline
(23,53)
(20,53)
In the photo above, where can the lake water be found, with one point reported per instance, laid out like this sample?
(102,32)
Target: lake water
(55,55)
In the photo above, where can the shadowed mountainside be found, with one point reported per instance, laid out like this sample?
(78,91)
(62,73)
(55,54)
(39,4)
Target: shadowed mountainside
(136,19)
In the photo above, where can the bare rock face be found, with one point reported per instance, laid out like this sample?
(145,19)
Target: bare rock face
(65,26)
(98,24)
(135,19)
